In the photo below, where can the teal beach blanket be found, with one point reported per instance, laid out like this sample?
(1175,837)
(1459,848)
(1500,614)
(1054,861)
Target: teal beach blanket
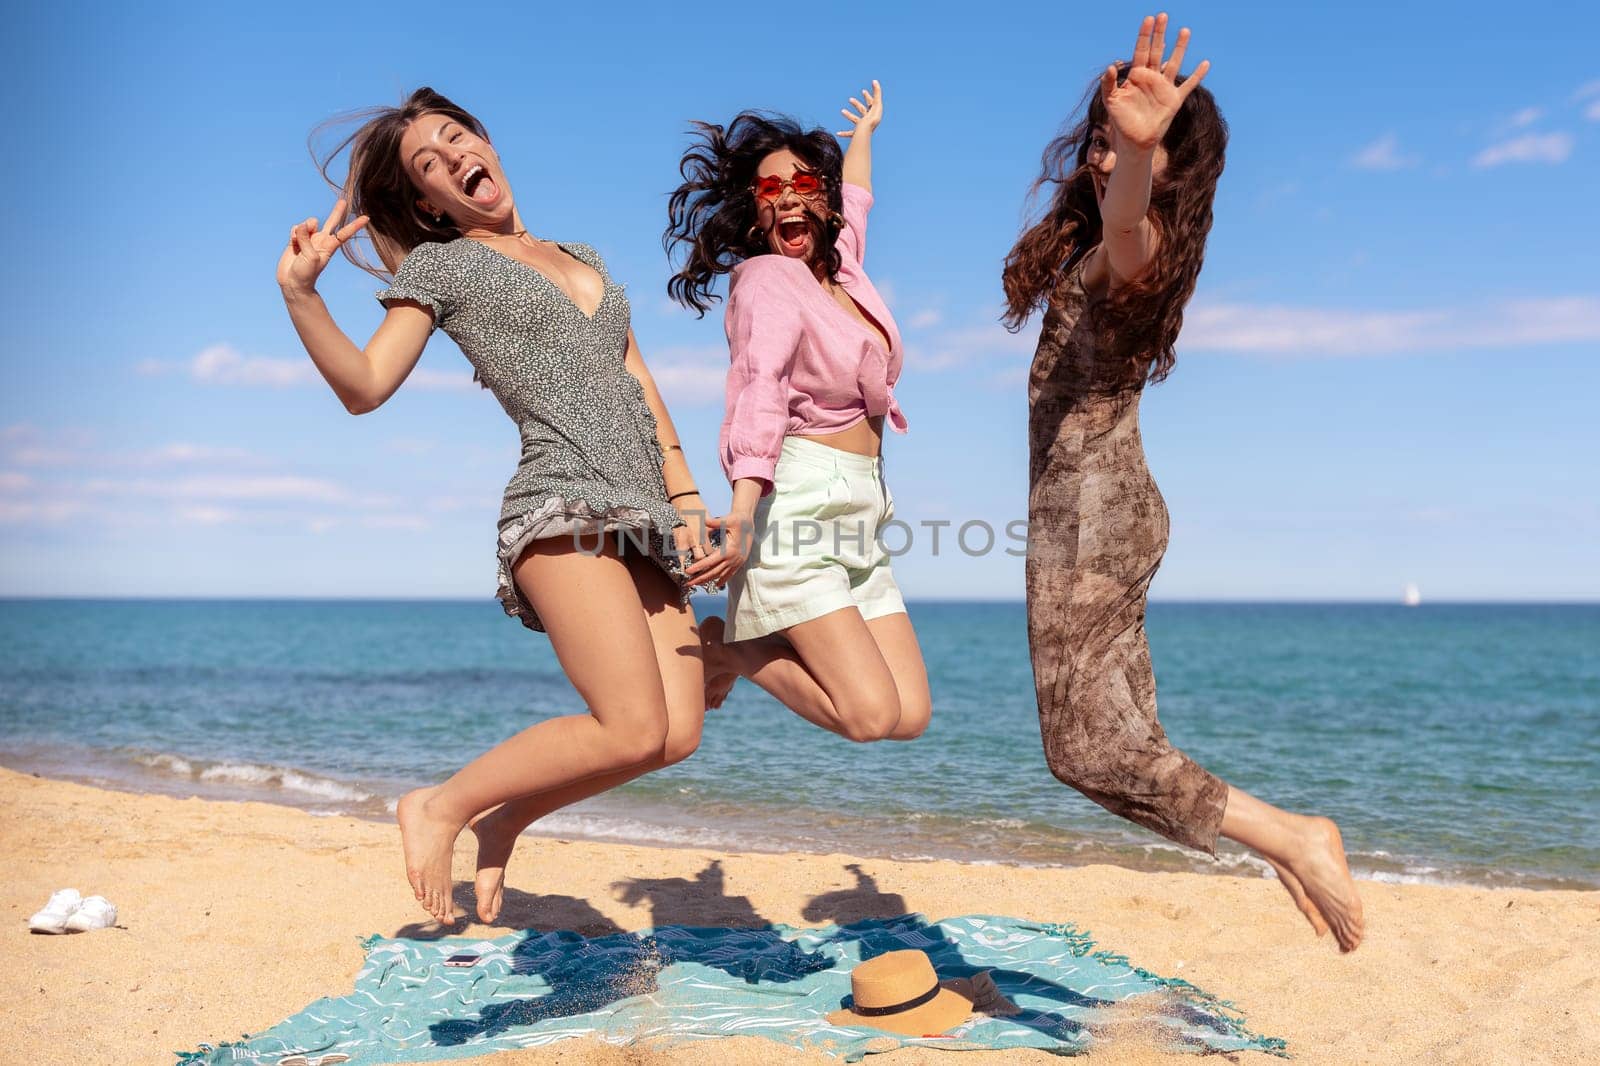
(677,983)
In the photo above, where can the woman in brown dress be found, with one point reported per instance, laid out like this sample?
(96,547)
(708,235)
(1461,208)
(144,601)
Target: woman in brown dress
(1114,261)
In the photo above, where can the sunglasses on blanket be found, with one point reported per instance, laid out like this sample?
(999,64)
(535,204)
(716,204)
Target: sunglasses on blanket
(772,186)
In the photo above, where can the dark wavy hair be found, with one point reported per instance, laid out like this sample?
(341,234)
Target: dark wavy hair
(377,183)
(1139,321)
(712,215)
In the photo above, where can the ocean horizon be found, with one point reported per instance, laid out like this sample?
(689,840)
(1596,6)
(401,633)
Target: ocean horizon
(1453,742)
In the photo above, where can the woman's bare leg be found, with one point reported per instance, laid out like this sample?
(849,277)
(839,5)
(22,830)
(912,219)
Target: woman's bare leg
(897,643)
(1308,854)
(578,595)
(838,672)
(677,650)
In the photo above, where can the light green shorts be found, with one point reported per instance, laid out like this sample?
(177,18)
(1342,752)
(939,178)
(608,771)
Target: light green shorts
(816,543)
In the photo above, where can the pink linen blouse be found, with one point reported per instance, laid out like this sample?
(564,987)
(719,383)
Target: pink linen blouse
(802,365)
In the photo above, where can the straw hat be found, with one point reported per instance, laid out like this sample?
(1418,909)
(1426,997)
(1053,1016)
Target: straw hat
(899,992)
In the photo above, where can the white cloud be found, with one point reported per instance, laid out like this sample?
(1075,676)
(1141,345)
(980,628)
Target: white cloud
(223,364)
(279,488)
(1383,154)
(1300,331)
(927,319)
(974,344)
(1305,332)
(1526,117)
(1592,112)
(690,375)
(396,521)
(454,504)
(207,516)
(24,445)
(1528,148)
(176,484)
(1587,89)
(441,380)
(181,453)
(49,512)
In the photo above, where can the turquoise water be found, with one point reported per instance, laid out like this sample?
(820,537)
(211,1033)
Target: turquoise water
(1453,743)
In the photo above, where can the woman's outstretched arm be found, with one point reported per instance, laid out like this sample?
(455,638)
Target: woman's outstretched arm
(1141,109)
(865,119)
(362,378)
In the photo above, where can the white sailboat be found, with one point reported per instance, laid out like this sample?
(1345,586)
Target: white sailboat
(1412,596)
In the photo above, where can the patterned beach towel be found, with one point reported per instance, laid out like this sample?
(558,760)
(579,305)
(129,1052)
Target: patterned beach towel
(677,984)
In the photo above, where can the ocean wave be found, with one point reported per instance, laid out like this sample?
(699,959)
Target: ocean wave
(1402,877)
(681,822)
(610,827)
(267,777)
(168,764)
(286,779)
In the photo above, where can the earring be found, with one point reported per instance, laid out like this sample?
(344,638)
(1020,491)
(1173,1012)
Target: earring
(836,220)
(754,234)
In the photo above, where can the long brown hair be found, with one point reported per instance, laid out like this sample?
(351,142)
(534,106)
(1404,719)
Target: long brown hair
(377,184)
(1139,321)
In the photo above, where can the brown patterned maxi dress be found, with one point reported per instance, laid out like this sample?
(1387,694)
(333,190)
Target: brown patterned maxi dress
(1097,531)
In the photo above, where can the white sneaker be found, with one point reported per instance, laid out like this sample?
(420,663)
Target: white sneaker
(96,912)
(53,918)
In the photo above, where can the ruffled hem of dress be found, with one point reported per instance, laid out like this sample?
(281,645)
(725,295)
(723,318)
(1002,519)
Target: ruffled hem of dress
(562,516)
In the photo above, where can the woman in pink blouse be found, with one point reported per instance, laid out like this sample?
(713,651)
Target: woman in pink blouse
(814,615)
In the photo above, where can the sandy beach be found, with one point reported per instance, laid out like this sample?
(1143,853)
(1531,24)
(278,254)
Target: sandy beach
(235,915)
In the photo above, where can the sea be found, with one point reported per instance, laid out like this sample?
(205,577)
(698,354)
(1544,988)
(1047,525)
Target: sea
(1453,743)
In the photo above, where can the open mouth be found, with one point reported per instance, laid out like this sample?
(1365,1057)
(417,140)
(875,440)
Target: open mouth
(793,231)
(479,186)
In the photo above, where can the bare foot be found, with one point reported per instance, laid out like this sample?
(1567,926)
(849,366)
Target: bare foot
(429,843)
(1317,862)
(721,663)
(497,836)
(1297,892)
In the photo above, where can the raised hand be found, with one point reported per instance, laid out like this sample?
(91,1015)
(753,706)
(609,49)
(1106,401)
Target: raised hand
(868,111)
(311,246)
(1144,105)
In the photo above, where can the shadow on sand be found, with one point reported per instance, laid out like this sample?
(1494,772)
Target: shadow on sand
(575,960)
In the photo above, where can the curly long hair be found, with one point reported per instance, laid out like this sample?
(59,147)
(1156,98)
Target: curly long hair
(1139,321)
(377,184)
(713,214)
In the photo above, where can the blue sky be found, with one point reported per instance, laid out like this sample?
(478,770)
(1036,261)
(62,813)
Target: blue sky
(1387,374)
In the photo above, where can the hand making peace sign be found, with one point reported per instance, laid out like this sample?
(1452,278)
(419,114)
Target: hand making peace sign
(310,248)
(1143,106)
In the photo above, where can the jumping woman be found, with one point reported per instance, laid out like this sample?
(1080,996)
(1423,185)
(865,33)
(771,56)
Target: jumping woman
(814,615)
(592,547)
(1113,262)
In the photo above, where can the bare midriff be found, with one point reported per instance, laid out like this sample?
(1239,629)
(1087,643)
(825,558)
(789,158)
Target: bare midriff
(863,438)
